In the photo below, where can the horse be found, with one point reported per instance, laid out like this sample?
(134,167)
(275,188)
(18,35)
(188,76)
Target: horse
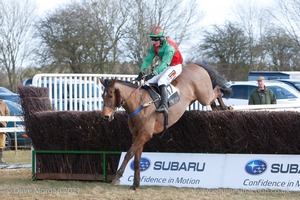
(196,82)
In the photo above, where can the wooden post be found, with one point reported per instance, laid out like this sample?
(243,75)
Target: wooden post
(1,156)
(16,138)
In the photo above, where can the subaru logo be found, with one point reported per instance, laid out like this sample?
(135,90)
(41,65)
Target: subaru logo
(256,167)
(144,164)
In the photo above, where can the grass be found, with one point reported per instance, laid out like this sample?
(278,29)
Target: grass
(17,184)
(17,157)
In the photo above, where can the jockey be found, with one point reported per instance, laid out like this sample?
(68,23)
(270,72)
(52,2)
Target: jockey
(170,66)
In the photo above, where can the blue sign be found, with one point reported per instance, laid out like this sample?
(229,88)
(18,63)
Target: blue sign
(144,164)
(256,167)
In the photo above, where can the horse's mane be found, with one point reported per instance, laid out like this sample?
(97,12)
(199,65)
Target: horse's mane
(217,79)
(128,83)
(107,82)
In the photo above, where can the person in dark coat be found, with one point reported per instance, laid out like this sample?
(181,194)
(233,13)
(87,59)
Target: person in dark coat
(261,95)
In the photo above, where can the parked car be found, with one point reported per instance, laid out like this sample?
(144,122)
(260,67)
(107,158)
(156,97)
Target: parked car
(27,82)
(292,82)
(241,91)
(6,94)
(22,137)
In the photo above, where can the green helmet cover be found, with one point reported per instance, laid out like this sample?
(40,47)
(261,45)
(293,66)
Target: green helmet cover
(157,32)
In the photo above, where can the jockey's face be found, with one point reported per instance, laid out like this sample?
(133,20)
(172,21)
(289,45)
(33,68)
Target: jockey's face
(156,41)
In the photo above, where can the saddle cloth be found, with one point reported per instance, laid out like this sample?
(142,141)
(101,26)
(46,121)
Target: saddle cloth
(154,91)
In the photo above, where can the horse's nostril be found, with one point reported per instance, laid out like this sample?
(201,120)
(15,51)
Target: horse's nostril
(107,118)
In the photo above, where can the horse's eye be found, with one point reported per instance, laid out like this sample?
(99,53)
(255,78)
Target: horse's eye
(110,94)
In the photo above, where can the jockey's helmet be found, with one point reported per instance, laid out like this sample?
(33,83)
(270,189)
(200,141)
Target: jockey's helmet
(157,32)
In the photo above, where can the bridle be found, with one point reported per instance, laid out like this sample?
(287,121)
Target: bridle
(118,101)
(117,95)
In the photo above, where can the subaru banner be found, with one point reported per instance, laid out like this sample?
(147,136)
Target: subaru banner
(236,171)
(176,169)
(257,171)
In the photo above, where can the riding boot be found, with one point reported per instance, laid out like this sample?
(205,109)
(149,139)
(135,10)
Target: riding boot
(163,108)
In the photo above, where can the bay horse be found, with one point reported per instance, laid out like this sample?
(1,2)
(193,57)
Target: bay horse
(196,82)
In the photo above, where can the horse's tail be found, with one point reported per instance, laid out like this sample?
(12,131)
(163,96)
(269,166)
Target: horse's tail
(217,79)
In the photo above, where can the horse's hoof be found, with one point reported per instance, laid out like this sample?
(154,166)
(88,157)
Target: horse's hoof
(133,187)
(116,181)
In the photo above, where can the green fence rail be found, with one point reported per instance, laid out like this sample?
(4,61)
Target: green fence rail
(104,158)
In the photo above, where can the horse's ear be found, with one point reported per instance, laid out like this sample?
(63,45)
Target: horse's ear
(105,82)
(113,81)
(101,81)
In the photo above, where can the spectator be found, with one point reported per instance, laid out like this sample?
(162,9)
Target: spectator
(4,111)
(261,95)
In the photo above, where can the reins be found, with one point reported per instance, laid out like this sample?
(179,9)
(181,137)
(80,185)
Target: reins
(123,102)
(141,107)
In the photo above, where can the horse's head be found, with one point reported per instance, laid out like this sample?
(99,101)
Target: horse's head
(111,99)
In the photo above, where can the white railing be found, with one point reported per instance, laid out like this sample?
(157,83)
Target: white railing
(12,119)
(82,92)
(14,129)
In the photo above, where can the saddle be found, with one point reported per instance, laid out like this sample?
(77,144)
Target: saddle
(154,91)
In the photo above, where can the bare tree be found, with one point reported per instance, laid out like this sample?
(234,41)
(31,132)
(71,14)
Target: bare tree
(83,37)
(226,46)
(287,15)
(16,20)
(281,51)
(253,19)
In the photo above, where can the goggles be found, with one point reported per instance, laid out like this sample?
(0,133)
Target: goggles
(154,38)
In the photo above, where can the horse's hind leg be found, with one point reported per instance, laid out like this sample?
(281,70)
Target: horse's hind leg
(218,95)
(213,105)
(223,106)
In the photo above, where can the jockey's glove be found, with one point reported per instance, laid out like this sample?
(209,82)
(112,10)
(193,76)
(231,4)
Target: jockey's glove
(140,76)
(148,77)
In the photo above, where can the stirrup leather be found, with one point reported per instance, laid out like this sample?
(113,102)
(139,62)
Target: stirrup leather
(162,109)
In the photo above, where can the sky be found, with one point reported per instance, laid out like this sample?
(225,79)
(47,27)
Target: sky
(218,11)
(47,6)
(215,11)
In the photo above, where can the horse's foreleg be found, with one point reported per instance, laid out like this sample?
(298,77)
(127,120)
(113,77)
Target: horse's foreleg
(119,174)
(138,143)
(137,159)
